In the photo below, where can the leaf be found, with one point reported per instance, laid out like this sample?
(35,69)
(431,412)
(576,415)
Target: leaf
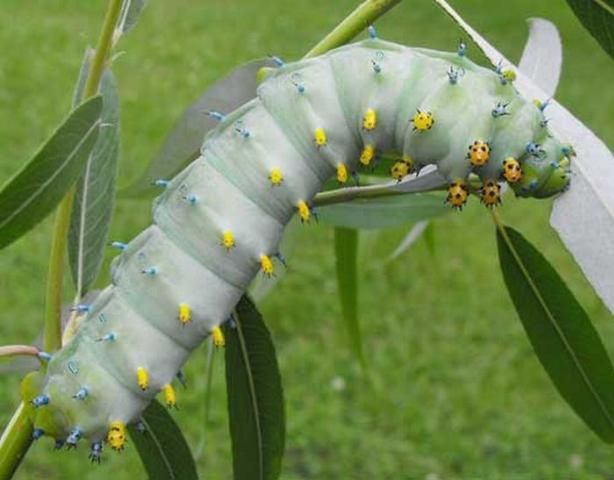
(560,331)
(39,186)
(587,236)
(412,236)
(93,206)
(255,397)
(384,211)
(346,260)
(208,388)
(597,16)
(131,10)
(542,55)
(84,71)
(182,144)
(163,449)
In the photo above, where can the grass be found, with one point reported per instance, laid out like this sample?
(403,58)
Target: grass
(456,390)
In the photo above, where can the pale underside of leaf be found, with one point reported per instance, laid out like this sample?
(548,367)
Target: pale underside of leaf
(182,145)
(584,215)
(131,9)
(93,207)
(542,56)
(412,237)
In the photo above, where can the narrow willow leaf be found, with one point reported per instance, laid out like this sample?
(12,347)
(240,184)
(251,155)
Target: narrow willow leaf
(255,397)
(597,16)
(542,56)
(84,71)
(210,359)
(346,257)
(560,331)
(383,212)
(584,215)
(412,237)
(429,179)
(38,187)
(131,9)
(182,144)
(93,207)
(163,449)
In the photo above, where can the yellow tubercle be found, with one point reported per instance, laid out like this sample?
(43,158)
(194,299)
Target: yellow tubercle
(369,120)
(342,173)
(228,239)
(402,168)
(319,136)
(170,395)
(490,194)
(218,337)
(303,211)
(423,121)
(116,436)
(512,171)
(185,314)
(509,75)
(367,154)
(479,153)
(142,378)
(457,194)
(266,265)
(276,177)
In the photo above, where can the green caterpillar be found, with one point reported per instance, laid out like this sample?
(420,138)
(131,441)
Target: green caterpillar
(219,222)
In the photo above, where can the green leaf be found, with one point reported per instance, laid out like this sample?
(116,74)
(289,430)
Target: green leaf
(131,10)
(93,206)
(255,397)
(182,144)
(208,388)
(384,211)
(162,447)
(84,72)
(417,230)
(38,187)
(560,331)
(597,16)
(346,256)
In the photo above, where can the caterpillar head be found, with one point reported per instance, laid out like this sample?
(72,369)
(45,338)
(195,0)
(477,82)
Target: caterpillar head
(545,171)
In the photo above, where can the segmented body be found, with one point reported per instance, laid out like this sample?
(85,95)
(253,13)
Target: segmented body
(220,221)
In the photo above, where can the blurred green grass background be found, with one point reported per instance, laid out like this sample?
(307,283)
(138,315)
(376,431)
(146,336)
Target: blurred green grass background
(457,392)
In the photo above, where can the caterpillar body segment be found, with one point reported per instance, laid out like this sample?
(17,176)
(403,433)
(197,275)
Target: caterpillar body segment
(219,222)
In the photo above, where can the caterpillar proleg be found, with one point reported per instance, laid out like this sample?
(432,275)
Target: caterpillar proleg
(219,222)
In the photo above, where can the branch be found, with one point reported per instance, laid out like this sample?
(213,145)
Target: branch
(55,277)
(364,15)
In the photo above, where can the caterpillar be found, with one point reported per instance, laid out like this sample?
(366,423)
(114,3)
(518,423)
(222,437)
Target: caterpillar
(219,222)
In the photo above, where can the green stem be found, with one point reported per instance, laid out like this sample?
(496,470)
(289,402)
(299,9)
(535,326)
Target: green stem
(55,278)
(365,14)
(52,339)
(15,441)
(348,194)
(17,436)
